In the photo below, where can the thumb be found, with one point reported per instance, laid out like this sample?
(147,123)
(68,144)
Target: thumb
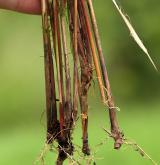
(24,6)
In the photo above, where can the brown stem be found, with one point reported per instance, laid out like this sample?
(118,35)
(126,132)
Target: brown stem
(51,108)
(86,77)
(73,27)
(75,57)
(68,103)
(61,89)
(94,54)
(65,144)
(117,134)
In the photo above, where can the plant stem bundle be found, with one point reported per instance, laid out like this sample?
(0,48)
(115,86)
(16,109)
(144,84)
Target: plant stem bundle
(73,21)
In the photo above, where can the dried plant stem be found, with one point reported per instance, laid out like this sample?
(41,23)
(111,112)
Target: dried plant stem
(94,54)
(51,109)
(116,133)
(86,77)
(68,103)
(75,57)
(65,106)
(85,74)
(53,22)
(61,88)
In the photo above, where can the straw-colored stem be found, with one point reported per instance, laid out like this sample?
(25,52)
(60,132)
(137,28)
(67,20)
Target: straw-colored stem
(117,135)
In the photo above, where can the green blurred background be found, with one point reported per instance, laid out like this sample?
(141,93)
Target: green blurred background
(134,82)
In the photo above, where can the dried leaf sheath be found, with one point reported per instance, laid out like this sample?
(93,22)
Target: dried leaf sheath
(85,75)
(85,58)
(94,54)
(51,109)
(65,144)
(59,56)
(68,99)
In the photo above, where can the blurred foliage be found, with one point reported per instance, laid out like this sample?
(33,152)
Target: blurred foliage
(134,82)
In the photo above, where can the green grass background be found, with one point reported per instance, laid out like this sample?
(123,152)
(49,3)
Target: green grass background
(134,82)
